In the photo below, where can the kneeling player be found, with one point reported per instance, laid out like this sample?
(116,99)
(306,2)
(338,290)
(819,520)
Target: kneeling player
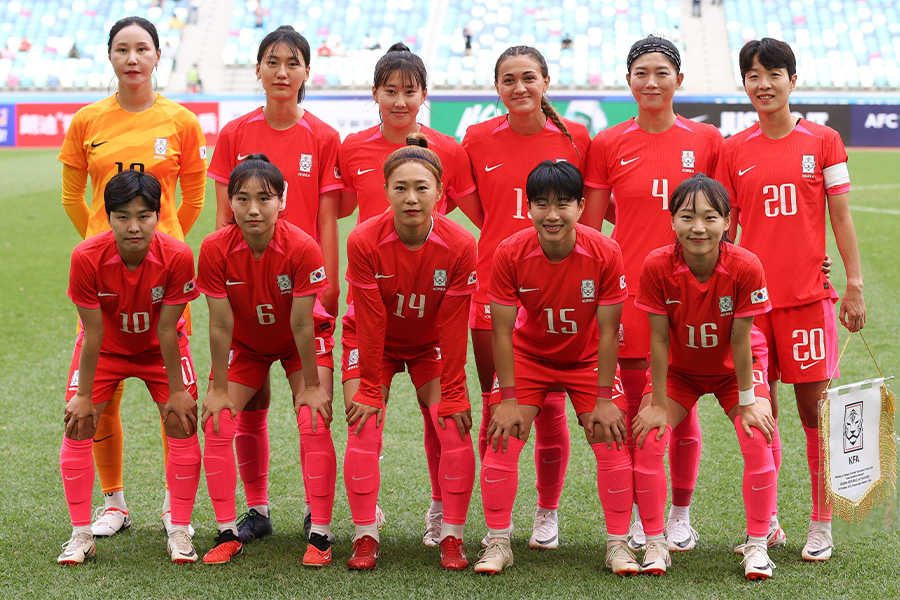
(702,294)
(131,285)
(569,281)
(260,276)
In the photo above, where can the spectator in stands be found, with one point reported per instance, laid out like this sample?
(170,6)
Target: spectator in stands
(260,13)
(566,42)
(25,44)
(541,14)
(176,24)
(169,53)
(324,49)
(467,35)
(696,8)
(7,52)
(194,83)
(370,43)
(193,12)
(74,52)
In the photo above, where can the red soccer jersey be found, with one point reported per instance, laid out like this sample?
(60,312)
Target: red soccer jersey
(557,318)
(361,160)
(261,291)
(398,306)
(502,160)
(779,187)
(701,314)
(306,154)
(642,169)
(130,300)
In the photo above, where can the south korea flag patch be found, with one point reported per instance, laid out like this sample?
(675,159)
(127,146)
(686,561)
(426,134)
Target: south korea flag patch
(284,283)
(317,275)
(157,293)
(759,296)
(726,305)
(440,279)
(472,279)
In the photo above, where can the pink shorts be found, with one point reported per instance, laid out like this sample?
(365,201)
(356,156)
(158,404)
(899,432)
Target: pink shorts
(686,389)
(535,377)
(250,368)
(634,332)
(802,342)
(113,369)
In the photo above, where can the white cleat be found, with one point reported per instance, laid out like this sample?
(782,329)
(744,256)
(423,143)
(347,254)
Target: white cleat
(656,558)
(545,534)
(486,540)
(757,565)
(680,536)
(180,548)
(79,547)
(775,539)
(496,557)
(636,538)
(110,521)
(432,535)
(620,558)
(819,544)
(167,524)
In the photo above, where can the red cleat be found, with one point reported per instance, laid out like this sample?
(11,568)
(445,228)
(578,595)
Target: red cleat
(453,556)
(365,553)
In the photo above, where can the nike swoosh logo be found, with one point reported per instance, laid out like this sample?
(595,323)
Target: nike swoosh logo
(815,553)
(103,439)
(759,489)
(551,461)
(642,491)
(805,367)
(315,476)
(213,474)
(242,157)
(74,478)
(486,480)
(244,463)
(742,171)
(380,276)
(235,282)
(362,172)
(673,301)
(101,294)
(616,491)
(95,144)
(488,169)
(355,478)
(179,477)
(523,290)
(686,442)
(624,162)
(453,478)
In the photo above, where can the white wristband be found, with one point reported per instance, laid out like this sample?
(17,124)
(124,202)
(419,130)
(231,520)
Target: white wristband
(746,397)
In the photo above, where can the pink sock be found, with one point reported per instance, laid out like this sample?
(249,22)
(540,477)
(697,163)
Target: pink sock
(759,480)
(485,421)
(320,466)
(684,458)
(776,457)
(457,469)
(183,477)
(77,465)
(362,476)
(551,450)
(820,510)
(432,454)
(218,462)
(251,444)
(650,487)
(500,482)
(615,486)
(633,383)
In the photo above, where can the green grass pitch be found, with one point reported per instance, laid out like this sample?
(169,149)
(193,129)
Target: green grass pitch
(37,324)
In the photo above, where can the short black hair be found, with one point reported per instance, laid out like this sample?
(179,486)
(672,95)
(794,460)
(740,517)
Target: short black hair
(555,179)
(128,185)
(771,53)
(685,196)
(399,59)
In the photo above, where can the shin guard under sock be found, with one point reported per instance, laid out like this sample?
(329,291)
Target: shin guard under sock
(457,468)
(650,487)
(183,477)
(218,463)
(251,444)
(821,511)
(551,450)
(684,458)
(615,486)
(759,480)
(500,482)
(319,466)
(362,475)
(432,453)
(77,467)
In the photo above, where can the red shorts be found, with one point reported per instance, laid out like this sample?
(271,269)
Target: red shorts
(686,389)
(423,364)
(480,315)
(324,326)
(535,377)
(112,369)
(634,332)
(802,342)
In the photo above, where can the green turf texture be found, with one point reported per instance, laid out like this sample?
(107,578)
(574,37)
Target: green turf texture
(37,324)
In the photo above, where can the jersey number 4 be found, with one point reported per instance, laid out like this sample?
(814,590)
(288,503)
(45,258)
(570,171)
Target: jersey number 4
(416,303)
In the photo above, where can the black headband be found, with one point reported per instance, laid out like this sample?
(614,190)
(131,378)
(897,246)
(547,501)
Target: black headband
(413,156)
(654,45)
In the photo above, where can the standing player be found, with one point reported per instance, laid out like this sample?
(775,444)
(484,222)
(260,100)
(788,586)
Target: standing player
(130,286)
(570,284)
(503,151)
(638,162)
(137,129)
(400,88)
(701,295)
(261,276)
(411,272)
(781,173)
(304,148)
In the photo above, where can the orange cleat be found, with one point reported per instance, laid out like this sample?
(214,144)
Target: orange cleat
(227,546)
(318,551)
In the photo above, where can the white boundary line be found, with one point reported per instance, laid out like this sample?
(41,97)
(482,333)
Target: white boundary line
(880,211)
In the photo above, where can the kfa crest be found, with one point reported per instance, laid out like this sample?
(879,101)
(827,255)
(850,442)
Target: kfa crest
(306,161)
(853,427)
(809,164)
(440,278)
(687,159)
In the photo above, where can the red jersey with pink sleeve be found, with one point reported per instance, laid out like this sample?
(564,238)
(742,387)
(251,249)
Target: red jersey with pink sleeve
(361,159)
(642,169)
(412,299)
(130,300)
(502,160)
(701,314)
(306,154)
(557,319)
(779,187)
(261,291)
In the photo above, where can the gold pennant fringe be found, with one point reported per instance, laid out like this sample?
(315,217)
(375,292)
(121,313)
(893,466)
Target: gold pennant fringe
(855,512)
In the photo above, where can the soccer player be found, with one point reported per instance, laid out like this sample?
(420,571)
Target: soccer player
(701,294)
(639,162)
(304,148)
(556,298)
(261,276)
(130,286)
(503,151)
(138,129)
(782,173)
(400,87)
(411,272)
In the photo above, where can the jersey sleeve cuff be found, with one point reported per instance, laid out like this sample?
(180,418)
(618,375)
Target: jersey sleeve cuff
(362,286)
(183,300)
(502,301)
(311,291)
(466,292)
(212,293)
(610,301)
(598,186)
(752,312)
(216,177)
(838,189)
(650,309)
(85,304)
(328,188)
(465,192)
